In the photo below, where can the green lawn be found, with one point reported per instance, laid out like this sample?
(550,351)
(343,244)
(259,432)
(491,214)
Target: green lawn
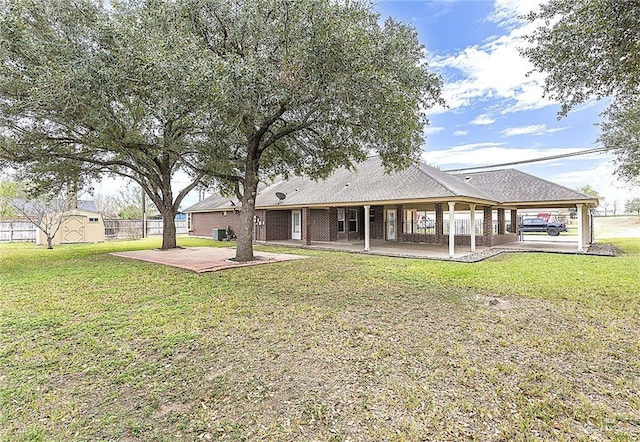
(335,347)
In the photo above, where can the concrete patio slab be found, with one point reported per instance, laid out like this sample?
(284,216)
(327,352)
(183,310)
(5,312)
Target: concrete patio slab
(204,259)
(440,252)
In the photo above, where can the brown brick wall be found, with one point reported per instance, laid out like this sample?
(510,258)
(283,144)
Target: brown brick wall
(439,220)
(260,229)
(359,235)
(514,221)
(203,223)
(399,209)
(305,233)
(278,225)
(488,227)
(501,222)
(319,221)
(323,226)
(460,240)
(465,240)
(333,224)
(421,238)
(504,239)
(377,226)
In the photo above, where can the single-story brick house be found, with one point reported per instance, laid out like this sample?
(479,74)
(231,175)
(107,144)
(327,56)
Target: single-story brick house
(417,205)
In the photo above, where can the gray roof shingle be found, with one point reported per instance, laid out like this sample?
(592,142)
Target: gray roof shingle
(369,183)
(511,185)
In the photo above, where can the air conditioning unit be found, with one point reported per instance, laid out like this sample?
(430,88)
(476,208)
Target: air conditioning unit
(219,234)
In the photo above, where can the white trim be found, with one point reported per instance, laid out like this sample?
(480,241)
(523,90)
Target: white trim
(581,229)
(410,220)
(452,228)
(472,210)
(343,218)
(391,227)
(367,228)
(355,219)
(296,233)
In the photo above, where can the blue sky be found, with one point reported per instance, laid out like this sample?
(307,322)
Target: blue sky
(496,113)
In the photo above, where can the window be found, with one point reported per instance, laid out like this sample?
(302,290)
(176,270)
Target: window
(340,220)
(93,220)
(410,221)
(425,222)
(353,220)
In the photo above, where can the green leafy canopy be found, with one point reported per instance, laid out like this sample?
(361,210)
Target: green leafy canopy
(88,90)
(591,49)
(310,86)
(227,89)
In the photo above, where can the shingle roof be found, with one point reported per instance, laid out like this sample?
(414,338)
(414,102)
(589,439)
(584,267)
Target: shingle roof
(211,203)
(369,183)
(88,205)
(511,186)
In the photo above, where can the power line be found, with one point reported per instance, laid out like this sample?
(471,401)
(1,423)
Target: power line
(535,160)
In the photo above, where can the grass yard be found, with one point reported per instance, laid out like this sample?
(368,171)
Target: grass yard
(338,347)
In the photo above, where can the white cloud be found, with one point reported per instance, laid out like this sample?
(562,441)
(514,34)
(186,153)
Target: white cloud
(601,177)
(495,70)
(460,133)
(429,130)
(507,13)
(600,174)
(589,104)
(483,120)
(536,129)
(484,154)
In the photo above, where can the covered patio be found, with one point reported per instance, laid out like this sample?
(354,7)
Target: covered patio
(419,210)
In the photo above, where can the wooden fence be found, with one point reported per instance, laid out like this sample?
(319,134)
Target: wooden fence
(21,230)
(132,228)
(17,230)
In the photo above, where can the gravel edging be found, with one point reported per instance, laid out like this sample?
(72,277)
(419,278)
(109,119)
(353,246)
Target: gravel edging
(599,249)
(594,249)
(603,249)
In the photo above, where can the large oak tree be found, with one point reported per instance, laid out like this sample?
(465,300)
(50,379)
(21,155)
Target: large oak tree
(232,89)
(93,89)
(311,86)
(591,48)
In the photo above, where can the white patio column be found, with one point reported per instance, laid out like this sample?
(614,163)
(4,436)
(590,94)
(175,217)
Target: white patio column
(367,228)
(580,208)
(472,208)
(452,229)
(587,231)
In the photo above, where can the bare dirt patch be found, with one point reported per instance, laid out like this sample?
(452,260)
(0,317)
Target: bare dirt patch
(498,303)
(617,227)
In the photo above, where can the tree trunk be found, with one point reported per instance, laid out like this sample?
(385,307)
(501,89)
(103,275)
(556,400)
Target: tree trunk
(244,250)
(169,240)
(49,241)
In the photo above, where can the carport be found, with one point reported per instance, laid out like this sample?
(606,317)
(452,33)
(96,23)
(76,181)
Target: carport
(518,191)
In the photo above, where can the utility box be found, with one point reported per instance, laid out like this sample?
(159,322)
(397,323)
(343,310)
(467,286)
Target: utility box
(219,234)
